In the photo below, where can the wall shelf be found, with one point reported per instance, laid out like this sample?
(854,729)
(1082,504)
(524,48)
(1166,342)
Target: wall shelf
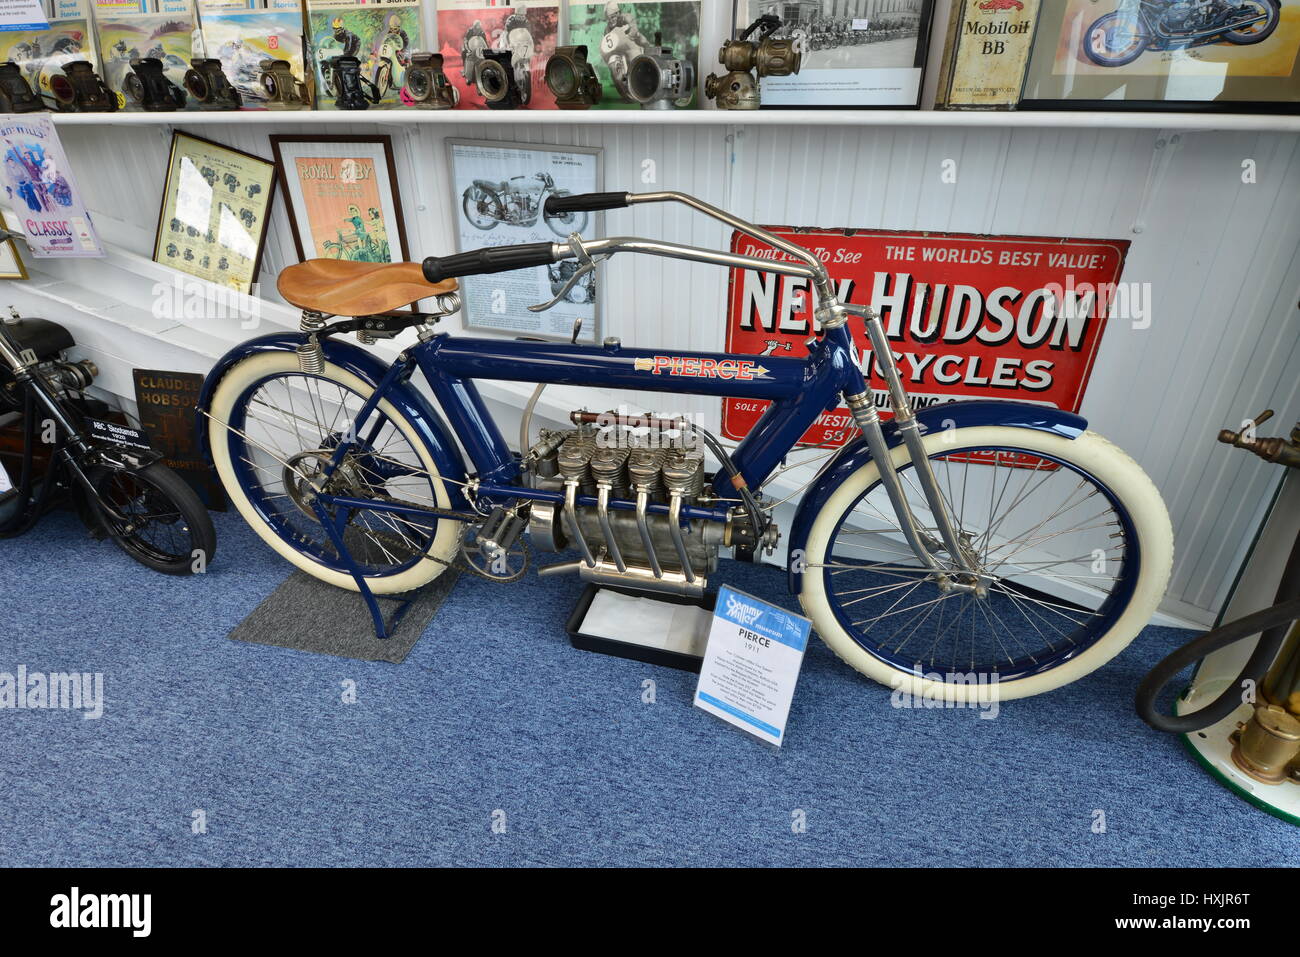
(1024,119)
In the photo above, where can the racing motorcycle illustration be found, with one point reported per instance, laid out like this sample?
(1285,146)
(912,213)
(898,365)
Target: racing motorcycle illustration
(472,49)
(393,52)
(581,291)
(1123,35)
(519,201)
(618,48)
(517,40)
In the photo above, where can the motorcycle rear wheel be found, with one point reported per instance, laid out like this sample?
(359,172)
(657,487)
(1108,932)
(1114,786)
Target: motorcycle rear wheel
(1258,32)
(1115,39)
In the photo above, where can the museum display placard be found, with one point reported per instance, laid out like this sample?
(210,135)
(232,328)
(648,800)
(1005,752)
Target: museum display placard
(498,191)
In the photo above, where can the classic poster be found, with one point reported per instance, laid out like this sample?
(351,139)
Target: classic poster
(986,54)
(124,37)
(498,192)
(342,197)
(1204,55)
(381,35)
(168,403)
(40,187)
(213,219)
(971,317)
(242,39)
(526,28)
(616,33)
(856,53)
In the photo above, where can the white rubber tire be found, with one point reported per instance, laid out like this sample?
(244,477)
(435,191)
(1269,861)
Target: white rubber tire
(240,377)
(1102,459)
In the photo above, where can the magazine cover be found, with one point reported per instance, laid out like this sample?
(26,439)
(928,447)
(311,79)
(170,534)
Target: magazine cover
(39,186)
(856,53)
(241,39)
(381,35)
(42,53)
(528,29)
(123,37)
(616,33)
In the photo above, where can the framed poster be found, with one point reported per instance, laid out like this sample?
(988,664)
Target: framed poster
(970,317)
(39,186)
(497,194)
(11,264)
(865,54)
(213,218)
(1144,55)
(341,193)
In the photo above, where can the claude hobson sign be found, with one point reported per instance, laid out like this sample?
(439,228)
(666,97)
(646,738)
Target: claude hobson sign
(751,664)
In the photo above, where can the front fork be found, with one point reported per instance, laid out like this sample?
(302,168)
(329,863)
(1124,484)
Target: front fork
(965,576)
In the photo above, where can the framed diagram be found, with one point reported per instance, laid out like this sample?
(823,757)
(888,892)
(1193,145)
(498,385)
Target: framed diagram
(498,193)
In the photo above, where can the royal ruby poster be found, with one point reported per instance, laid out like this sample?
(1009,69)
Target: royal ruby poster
(969,316)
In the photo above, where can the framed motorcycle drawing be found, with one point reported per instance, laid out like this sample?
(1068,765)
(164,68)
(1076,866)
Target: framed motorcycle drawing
(499,193)
(1219,55)
(865,54)
(342,197)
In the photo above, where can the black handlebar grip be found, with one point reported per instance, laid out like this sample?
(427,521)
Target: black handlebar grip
(584,203)
(492,259)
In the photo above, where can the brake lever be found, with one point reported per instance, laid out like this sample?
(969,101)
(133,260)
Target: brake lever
(588,265)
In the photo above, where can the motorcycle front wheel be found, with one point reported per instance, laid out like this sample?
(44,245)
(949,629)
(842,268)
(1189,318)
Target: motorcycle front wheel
(1071,539)
(1259,31)
(166,528)
(1114,39)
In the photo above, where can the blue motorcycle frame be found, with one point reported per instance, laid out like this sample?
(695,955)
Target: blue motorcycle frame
(799,391)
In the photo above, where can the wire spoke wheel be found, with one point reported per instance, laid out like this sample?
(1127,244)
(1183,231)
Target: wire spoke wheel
(289,439)
(1052,552)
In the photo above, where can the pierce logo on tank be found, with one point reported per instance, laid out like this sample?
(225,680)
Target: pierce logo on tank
(698,367)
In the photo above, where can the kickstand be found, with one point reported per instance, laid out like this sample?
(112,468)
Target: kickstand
(334,529)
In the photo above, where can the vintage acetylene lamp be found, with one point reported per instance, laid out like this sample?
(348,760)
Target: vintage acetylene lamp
(658,80)
(81,90)
(571,79)
(754,51)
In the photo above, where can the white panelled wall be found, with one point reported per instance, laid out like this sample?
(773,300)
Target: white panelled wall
(1222,257)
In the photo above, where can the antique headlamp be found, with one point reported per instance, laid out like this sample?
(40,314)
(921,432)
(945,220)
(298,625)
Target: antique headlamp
(81,90)
(427,86)
(149,87)
(660,81)
(283,89)
(16,94)
(571,79)
(208,84)
(350,84)
(495,79)
(754,51)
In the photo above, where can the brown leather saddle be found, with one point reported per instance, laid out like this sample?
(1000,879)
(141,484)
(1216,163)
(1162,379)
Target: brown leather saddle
(340,287)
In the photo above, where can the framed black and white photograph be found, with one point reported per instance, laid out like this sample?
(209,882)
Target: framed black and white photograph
(865,54)
(499,191)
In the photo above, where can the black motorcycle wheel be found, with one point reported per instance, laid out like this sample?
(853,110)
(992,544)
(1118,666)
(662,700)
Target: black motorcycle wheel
(169,528)
(1099,38)
(1258,32)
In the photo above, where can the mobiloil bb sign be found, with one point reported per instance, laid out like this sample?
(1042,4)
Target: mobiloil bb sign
(970,317)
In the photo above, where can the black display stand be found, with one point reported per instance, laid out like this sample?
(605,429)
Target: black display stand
(630,649)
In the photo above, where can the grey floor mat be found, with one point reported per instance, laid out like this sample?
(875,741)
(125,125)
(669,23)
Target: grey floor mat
(309,615)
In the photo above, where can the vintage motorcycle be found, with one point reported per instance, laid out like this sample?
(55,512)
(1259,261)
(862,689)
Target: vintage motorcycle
(618,50)
(383,65)
(979,538)
(1123,35)
(471,55)
(518,201)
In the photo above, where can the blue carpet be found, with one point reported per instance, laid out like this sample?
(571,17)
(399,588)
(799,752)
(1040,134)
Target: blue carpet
(494,711)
